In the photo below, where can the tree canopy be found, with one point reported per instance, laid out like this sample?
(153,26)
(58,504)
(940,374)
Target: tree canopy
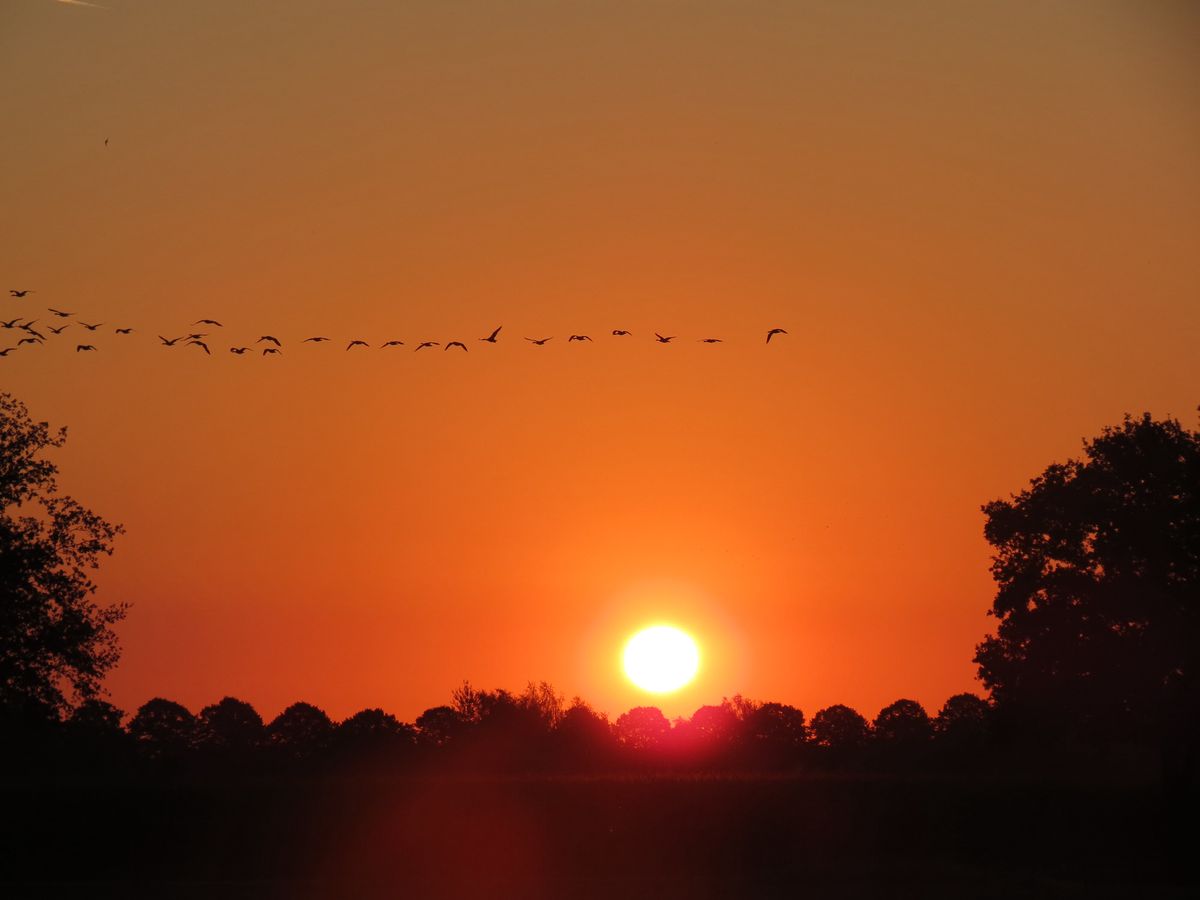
(56,642)
(1097,566)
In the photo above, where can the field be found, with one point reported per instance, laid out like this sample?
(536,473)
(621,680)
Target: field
(628,837)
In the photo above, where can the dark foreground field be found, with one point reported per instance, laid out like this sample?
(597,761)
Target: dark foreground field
(635,837)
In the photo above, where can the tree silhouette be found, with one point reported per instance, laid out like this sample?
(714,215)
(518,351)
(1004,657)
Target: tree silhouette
(56,643)
(839,728)
(642,728)
(904,722)
(301,731)
(962,722)
(230,725)
(163,728)
(439,725)
(1097,565)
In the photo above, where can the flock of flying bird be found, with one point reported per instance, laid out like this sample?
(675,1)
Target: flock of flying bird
(33,336)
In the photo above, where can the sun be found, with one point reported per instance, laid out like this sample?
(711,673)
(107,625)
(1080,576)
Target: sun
(661,659)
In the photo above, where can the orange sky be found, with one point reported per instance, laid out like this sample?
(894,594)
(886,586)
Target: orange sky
(980,224)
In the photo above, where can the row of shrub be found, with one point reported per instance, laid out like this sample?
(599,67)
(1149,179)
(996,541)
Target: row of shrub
(534,730)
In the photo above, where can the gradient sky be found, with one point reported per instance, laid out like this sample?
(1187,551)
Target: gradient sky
(979,222)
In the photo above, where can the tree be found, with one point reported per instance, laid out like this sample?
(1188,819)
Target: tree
(903,723)
(839,728)
(962,721)
(439,726)
(231,725)
(302,730)
(642,728)
(163,727)
(56,642)
(1097,566)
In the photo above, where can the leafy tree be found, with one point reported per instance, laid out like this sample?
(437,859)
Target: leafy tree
(642,728)
(302,730)
(962,721)
(56,642)
(163,727)
(904,722)
(374,729)
(839,728)
(1097,566)
(231,725)
(776,724)
(439,726)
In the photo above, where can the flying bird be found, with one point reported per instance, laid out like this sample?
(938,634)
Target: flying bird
(171,343)
(60,329)
(312,340)
(456,344)
(491,338)
(709,341)
(271,351)
(91,327)
(238,350)
(12,323)
(6,352)
(121,330)
(773,332)
(620,332)
(663,340)
(358,344)
(425,344)
(60,313)
(540,343)
(196,337)
(578,337)
(28,341)
(392,344)
(80,347)
(208,322)
(19,294)
(267,337)
(203,346)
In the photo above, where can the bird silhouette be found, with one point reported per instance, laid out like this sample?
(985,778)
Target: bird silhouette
(91,327)
(11,323)
(124,331)
(60,313)
(28,341)
(392,344)
(203,346)
(773,332)
(709,341)
(271,351)
(80,347)
(6,352)
(60,329)
(456,344)
(312,340)
(358,344)
(208,322)
(540,343)
(620,332)
(197,337)
(34,332)
(169,343)
(238,350)
(267,337)
(491,338)
(578,337)
(20,294)
(663,340)
(425,344)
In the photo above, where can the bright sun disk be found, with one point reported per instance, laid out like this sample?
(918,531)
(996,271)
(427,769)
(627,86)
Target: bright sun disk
(661,659)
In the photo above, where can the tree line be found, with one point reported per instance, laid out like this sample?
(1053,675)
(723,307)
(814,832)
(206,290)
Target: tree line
(535,730)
